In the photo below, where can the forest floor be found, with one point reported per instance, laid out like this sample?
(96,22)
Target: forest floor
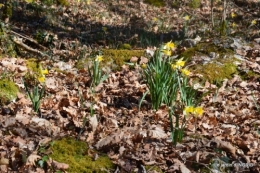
(63,39)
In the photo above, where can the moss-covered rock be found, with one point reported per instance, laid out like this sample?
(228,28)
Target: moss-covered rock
(221,64)
(217,70)
(63,2)
(75,154)
(206,49)
(194,4)
(8,91)
(125,46)
(113,58)
(157,3)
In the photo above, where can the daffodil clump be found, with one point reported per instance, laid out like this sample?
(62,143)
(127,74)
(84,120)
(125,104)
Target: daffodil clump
(188,100)
(96,73)
(160,78)
(166,81)
(97,77)
(36,90)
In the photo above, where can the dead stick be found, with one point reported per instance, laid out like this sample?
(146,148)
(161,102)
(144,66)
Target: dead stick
(31,40)
(20,43)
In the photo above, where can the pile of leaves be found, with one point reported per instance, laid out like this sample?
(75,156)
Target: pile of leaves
(226,138)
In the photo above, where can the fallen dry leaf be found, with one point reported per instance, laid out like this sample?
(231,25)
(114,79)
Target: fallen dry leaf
(93,122)
(58,165)
(4,161)
(32,159)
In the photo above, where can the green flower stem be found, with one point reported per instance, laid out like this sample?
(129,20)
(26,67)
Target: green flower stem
(176,133)
(35,96)
(171,125)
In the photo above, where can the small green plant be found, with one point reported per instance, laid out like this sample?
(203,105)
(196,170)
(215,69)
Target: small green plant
(97,77)
(43,151)
(185,26)
(37,93)
(43,161)
(255,102)
(35,96)
(96,73)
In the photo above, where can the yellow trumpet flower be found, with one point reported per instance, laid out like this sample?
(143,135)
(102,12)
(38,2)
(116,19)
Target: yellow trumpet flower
(185,72)
(169,45)
(186,17)
(99,58)
(253,22)
(198,111)
(233,15)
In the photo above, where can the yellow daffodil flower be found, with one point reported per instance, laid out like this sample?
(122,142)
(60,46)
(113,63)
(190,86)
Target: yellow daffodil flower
(253,22)
(186,17)
(180,63)
(99,58)
(233,15)
(104,28)
(41,79)
(169,45)
(185,72)
(198,111)
(188,110)
(234,24)
(144,66)
(45,71)
(42,73)
(167,52)
(88,2)
(155,19)
(174,66)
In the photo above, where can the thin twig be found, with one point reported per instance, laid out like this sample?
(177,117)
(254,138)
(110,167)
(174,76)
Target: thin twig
(30,39)
(19,42)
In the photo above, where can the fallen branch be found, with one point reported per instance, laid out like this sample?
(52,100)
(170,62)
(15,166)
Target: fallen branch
(19,42)
(30,39)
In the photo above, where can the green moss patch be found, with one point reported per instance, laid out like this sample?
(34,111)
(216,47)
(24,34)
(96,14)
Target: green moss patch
(157,3)
(194,4)
(8,91)
(75,154)
(221,66)
(125,46)
(113,58)
(249,75)
(205,49)
(217,70)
